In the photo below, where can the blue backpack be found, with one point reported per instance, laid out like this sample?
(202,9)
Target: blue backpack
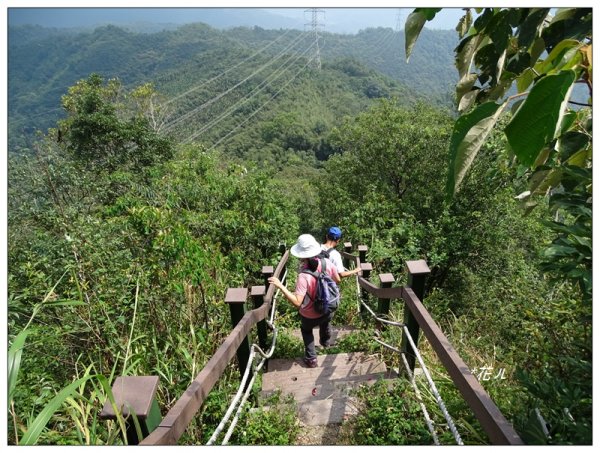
(327,297)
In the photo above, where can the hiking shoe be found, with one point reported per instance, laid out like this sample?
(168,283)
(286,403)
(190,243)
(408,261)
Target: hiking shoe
(310,363)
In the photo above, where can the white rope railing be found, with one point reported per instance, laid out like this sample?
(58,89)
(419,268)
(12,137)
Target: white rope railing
(416,388)
(242,396)
(434,390)
(421,403)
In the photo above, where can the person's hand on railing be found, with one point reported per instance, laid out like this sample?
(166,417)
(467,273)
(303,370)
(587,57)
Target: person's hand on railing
(295,300)
(275,281)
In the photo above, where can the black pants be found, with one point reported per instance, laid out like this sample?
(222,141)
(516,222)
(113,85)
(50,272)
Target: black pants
(306,327)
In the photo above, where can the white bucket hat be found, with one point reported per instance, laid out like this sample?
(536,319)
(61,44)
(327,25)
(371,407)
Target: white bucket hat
(306,247)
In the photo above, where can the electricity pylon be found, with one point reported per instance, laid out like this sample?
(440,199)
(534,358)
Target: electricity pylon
(314,23)
(399,24)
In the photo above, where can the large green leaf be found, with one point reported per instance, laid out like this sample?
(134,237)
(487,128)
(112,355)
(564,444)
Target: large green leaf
(470,132)
(465,53)
(464,24)
(572,142)
(561,55)
(414,25)
(535,123)
(37,426)
(14,362)
(530,28)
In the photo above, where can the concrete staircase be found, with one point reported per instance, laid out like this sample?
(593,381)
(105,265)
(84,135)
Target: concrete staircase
(323,393)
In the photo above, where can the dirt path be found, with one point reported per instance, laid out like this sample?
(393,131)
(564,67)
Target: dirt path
(319,435)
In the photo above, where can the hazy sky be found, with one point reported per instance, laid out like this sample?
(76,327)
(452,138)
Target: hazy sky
(336,20)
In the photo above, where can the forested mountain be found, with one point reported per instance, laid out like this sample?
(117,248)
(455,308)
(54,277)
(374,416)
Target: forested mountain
(43,63)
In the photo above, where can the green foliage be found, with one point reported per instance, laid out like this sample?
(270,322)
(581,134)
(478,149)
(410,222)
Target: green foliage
(273,423)
(35,429)
(506,46)
(470,131)
(402,148)
(159,243)
(529,131)
(289,346)
(41,69)
(484,254)
(100,133)
(570,255)
(389,417)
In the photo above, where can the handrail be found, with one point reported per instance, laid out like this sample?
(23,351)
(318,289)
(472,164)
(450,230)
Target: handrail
(181,414)
(380,293)
(498,429)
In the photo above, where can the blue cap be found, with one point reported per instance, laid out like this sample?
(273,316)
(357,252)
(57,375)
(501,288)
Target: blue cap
(334,233)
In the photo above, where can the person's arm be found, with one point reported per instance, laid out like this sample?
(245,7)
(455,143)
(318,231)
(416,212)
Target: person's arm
(349,273)
(336,258)
(292,297)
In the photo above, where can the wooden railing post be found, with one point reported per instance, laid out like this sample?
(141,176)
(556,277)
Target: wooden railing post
(347,249)
(236,299)
(383,305)
(364,294)
(417,273)
(257,293)
(135,395)
(267,271)
(362,253)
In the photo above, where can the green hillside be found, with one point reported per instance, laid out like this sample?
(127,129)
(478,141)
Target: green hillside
(43,63)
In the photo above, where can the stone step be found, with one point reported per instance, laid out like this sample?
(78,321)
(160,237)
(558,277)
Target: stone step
(307,389)
(323,394)
(326,412)
(289,374)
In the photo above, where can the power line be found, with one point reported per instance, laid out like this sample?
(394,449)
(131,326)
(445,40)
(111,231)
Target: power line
(220,95)
(28,118)
(399,24)
(227,71)
(384,38)
(261,107)
(259,88)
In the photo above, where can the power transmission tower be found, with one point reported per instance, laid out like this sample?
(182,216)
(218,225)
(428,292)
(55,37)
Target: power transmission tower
(399,24)
(314,24)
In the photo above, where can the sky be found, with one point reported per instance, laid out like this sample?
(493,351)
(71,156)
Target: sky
(335,20)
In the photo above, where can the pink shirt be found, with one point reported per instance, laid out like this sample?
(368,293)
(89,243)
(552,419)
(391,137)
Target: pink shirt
(307,283)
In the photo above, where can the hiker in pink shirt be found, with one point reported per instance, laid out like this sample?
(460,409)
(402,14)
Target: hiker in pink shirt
(307,248)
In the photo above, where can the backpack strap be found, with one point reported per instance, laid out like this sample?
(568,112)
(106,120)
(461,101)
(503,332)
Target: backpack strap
(326,253)
(315,274)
